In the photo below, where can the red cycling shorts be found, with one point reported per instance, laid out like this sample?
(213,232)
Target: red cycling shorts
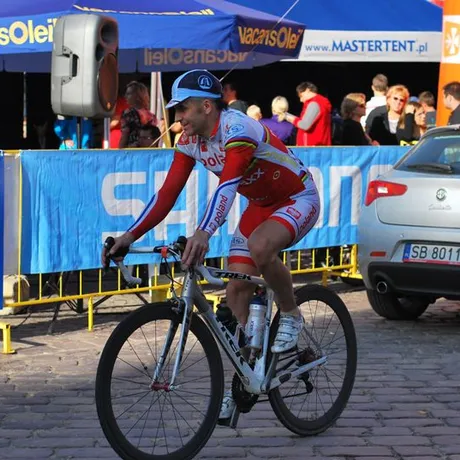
(298,214)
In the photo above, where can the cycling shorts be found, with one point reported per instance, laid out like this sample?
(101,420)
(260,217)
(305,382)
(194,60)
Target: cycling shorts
(298,214)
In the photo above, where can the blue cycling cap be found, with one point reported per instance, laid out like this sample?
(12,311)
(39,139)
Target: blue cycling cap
(195,83)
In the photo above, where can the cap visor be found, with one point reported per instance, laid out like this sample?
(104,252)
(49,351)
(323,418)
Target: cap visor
(172,103)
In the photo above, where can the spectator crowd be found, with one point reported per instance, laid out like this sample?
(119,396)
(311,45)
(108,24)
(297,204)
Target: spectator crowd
(392,116)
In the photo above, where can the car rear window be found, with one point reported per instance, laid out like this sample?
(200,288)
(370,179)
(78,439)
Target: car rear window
(436,154)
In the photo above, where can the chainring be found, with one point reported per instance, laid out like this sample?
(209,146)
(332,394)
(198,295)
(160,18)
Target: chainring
(244,400)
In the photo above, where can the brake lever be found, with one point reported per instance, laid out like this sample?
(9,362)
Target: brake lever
(131,281)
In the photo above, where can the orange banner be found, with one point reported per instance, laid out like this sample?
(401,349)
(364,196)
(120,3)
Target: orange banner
(450,60)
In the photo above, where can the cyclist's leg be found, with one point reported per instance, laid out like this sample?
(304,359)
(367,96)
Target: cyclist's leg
(239,293)
(287,225)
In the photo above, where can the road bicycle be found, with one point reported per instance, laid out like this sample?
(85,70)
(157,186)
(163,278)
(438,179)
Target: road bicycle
(160,378)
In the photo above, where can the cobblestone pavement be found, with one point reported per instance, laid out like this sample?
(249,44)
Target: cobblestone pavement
(405,404)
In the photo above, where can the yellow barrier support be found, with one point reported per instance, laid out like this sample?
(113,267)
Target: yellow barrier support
(6,328)
(90,314)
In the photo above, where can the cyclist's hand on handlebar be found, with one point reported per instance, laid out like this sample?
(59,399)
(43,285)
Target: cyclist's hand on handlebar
(196,248)
(118,250)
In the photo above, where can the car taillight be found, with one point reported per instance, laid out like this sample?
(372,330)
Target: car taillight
(381,189)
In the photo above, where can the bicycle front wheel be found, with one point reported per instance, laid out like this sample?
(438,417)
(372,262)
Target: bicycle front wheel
(145,419)
(312,402)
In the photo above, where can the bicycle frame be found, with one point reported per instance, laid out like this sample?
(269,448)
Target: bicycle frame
(255,381)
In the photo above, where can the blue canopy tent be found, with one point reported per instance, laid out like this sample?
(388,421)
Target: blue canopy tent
(358,30)
(149,28)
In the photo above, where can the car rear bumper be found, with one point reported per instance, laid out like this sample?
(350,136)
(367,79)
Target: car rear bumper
(415,278)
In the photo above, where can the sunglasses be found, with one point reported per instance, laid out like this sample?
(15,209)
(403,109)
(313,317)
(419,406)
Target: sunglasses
(399,99)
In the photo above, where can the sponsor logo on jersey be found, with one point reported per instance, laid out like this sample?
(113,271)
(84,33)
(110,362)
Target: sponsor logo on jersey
(293,212)
(253,177)
(233,130)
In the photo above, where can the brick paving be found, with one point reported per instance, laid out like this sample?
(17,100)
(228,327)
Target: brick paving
(405,404)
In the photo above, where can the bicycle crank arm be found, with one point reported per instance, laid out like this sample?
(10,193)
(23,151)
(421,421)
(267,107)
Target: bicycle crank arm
(285,376)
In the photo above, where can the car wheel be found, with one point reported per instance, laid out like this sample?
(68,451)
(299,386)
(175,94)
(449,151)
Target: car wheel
(391,306)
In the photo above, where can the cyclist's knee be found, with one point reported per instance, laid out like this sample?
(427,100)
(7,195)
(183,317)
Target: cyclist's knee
(262,252)
(237,289)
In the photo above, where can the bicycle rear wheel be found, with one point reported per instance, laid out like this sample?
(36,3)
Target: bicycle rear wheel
(312,402)
(156,422)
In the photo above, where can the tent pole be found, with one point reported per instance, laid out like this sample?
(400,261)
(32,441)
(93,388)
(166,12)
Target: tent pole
(106,138)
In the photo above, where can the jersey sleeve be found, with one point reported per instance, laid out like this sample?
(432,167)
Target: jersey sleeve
(239,154)
(162,202)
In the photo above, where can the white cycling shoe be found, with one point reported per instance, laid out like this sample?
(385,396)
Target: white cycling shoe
(289,329)
(227,409)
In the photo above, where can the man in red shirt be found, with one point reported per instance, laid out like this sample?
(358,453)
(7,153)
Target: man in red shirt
(314,124)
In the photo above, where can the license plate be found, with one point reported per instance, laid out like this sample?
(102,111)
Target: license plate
(431,254)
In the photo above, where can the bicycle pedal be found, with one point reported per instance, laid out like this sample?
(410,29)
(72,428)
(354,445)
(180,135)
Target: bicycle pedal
(224,421)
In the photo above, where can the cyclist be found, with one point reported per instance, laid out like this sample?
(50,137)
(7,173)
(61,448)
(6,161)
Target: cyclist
(248,159)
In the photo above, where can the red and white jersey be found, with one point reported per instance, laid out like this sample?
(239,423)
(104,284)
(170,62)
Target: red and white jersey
(248,159)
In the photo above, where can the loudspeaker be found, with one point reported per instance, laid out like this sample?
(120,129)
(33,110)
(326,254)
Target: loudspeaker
(84,66)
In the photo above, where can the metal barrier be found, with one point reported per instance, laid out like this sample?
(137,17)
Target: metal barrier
(58,288)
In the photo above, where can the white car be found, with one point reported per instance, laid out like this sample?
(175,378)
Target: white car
(409,229)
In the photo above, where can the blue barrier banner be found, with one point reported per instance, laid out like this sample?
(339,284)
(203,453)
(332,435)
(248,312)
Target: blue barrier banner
(73,200)
(2,197)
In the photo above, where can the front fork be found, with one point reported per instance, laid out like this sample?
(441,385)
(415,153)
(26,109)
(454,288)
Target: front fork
(186,320)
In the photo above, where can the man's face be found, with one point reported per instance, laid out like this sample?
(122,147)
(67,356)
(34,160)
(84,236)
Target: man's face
(228,94)
(305,95)
(448,101)
(145,138)
(192,116)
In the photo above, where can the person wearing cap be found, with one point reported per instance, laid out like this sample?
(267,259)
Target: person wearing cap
(283,199)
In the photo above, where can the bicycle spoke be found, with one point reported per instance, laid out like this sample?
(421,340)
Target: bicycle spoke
(131,406)
(175,418)
(195,380)
(190,404)
(158,427)
(296,386)
(329,380)
(148,344)
(141,371)
(131,394)
(163,424)
(193,364)
(185,359)
(145,423)
(137,356)
(191,392)
(122,379)
(140,418)
(183,418)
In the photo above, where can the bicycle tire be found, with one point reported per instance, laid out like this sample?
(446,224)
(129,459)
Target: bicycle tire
(136,319)
(298,425)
